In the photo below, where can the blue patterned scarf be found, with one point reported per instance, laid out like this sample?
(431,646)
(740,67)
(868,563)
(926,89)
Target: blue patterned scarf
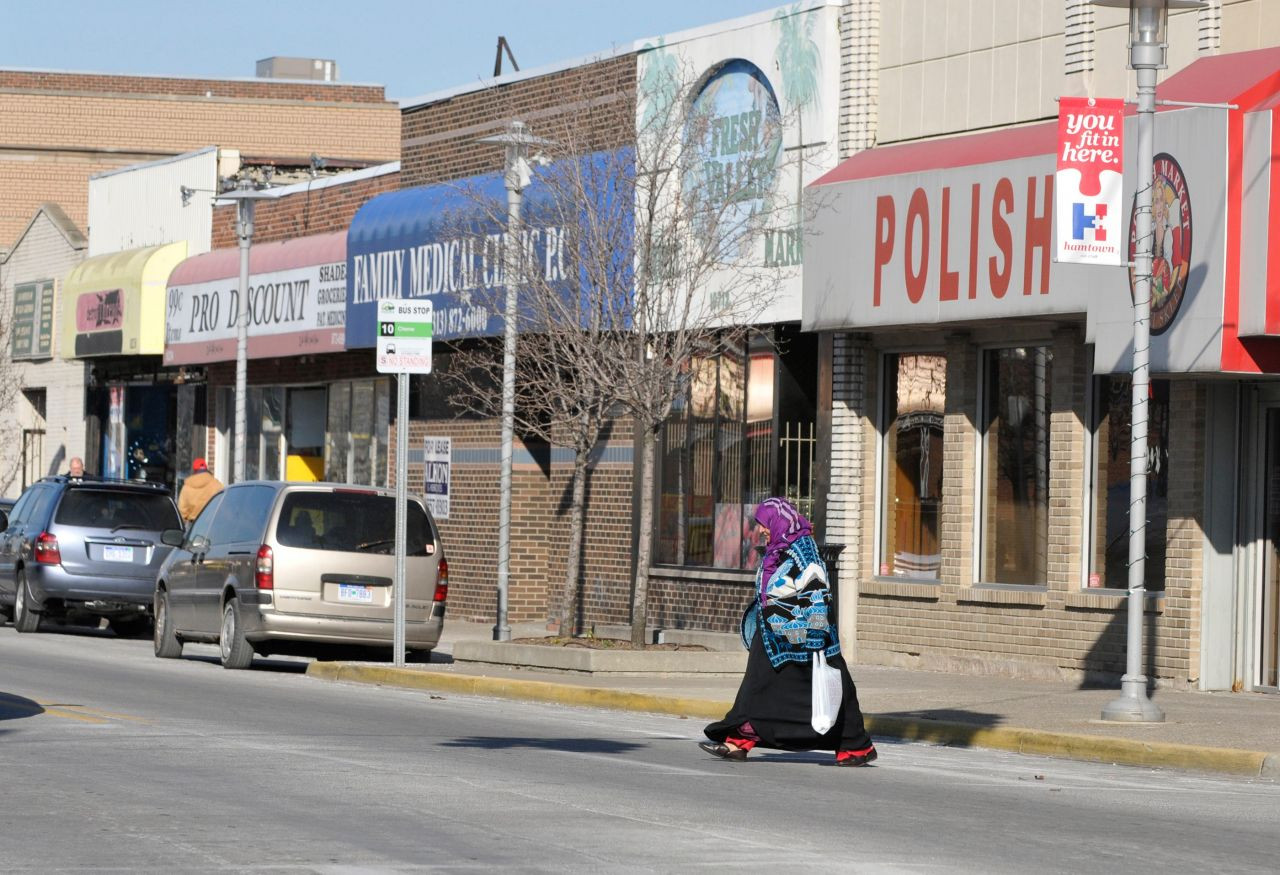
(797,603)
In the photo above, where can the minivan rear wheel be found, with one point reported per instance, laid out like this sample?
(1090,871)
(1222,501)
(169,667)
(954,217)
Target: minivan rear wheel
(24,618)
(236,651)
(163,638)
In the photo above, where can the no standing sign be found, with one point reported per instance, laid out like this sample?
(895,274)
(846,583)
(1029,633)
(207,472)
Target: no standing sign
(404,336)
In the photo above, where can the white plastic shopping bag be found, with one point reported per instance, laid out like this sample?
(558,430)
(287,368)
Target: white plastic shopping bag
(827,694)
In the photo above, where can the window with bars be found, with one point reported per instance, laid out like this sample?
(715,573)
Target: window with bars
(743,431)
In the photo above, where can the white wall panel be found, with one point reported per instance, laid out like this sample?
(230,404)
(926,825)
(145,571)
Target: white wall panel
(142,205)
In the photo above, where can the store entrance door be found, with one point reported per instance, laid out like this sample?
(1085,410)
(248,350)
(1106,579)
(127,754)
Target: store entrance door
(305,423)
(1267,600)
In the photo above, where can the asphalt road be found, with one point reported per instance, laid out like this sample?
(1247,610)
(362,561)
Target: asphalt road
(113,760)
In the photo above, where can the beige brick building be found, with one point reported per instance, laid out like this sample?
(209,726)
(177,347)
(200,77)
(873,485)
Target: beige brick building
(61,128)
(986,528)
(43,396)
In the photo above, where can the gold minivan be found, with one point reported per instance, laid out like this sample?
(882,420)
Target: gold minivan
(268,565)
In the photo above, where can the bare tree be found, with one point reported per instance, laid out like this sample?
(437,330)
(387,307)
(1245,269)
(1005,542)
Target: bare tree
(655,257)
(571,305)
(10,426)
(706,200)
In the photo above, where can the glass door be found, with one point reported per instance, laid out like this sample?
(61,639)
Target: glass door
(305,425)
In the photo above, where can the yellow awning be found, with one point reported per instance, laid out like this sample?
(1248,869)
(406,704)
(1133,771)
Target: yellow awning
(114,304)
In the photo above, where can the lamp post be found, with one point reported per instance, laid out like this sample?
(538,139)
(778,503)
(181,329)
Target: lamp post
(244,195)
(1148,20)
(516,140)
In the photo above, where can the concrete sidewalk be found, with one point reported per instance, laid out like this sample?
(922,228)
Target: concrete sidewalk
(1233,733)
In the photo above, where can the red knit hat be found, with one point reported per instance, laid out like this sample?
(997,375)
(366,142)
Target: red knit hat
(199,464)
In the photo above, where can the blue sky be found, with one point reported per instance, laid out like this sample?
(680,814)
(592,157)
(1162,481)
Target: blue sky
(412,48)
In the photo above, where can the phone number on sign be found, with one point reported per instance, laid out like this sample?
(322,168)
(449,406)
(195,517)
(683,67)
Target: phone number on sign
(450,321)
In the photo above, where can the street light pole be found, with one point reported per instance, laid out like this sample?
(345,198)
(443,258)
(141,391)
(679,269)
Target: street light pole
(1147,22)
(244,195)
(516,141)
(244,233)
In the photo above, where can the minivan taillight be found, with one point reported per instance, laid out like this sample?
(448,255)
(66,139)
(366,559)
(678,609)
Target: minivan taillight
(442,581)
(264,576)
(46,549)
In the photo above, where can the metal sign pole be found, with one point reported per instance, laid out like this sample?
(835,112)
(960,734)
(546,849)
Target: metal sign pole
(402,479)
(405,329)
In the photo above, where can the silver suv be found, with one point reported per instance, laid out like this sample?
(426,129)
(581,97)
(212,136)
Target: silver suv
(268,565)
(76,548)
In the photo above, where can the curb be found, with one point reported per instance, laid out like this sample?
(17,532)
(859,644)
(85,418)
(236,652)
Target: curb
(1086,748)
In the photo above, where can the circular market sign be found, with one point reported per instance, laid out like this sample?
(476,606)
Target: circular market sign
(1171,243)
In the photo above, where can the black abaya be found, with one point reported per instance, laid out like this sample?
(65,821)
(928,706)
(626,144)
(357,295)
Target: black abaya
(778,705)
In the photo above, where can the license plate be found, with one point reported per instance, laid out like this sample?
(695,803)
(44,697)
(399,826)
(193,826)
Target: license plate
(117,554)
(353,592)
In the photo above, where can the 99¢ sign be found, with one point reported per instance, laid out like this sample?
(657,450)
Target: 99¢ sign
(404,336)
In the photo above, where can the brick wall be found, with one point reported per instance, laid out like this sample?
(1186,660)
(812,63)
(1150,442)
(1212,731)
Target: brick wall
(1062,629)
(306,212)
(258,89)
(540,501)
(61,128)
(586,108)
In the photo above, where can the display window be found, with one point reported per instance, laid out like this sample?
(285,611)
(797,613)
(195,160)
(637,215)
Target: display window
(1113,414)
(742,431)
(1015,465)
(915,400)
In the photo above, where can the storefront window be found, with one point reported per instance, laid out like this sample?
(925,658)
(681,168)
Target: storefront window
(357,434)
(730,443)
(1114,407)
(915,398)
(1015,499)
(264,418)
(338,433)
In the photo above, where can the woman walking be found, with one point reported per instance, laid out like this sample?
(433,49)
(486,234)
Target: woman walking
(774,703)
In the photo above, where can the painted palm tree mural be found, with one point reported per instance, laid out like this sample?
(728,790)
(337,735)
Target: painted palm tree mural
(659,84)
(799,59)
(800,65)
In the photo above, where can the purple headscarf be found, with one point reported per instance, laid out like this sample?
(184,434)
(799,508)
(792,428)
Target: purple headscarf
(785,525)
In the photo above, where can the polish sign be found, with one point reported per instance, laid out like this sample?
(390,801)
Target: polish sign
(1090,180)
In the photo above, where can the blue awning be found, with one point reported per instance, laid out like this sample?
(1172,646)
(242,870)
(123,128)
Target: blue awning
(444,243)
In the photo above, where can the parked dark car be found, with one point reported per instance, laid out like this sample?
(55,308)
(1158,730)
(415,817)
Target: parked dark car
(85,547)
(6,505)
(268,566)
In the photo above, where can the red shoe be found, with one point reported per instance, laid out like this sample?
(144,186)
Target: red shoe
(856,757)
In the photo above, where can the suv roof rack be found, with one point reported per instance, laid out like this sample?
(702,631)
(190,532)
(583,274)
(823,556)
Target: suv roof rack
(105,481)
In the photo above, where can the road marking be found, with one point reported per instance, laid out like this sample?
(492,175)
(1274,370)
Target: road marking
(20,707)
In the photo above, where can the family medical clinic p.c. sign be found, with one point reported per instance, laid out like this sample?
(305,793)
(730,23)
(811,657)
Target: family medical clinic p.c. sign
(1090,179)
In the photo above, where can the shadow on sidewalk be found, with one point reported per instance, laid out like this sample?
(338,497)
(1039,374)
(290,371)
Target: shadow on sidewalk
(568,745)
(1106,661)
(938,725)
